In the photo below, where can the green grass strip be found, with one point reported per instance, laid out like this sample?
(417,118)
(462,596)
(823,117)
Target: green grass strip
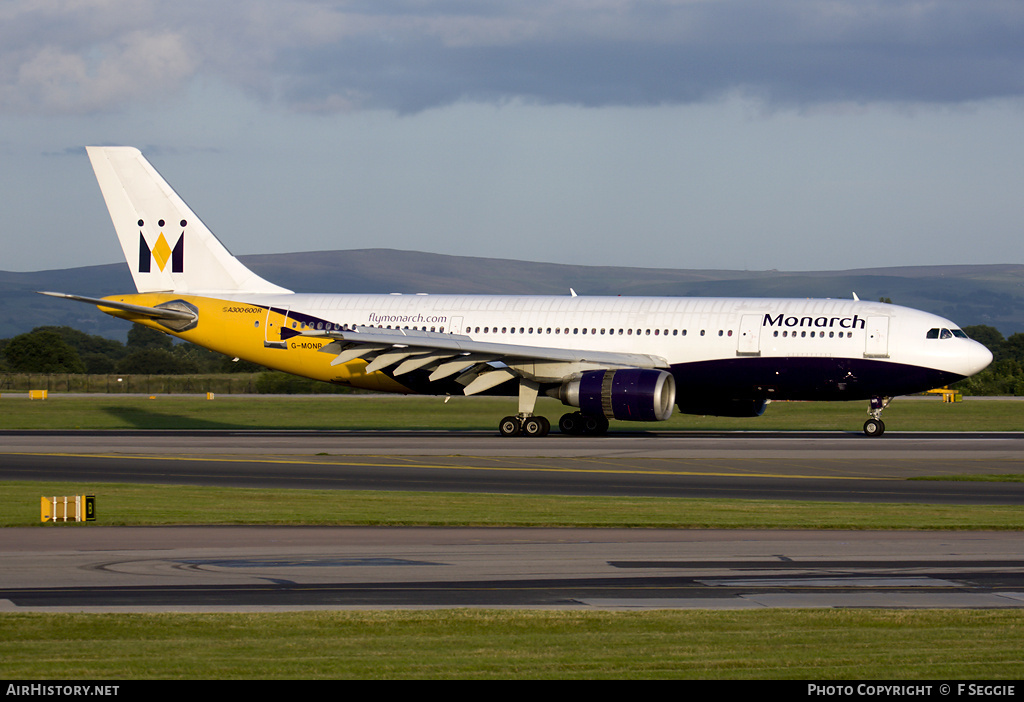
(133,505)
(467,644)
(360,412)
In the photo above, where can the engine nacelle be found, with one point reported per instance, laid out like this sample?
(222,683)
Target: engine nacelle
(634,394)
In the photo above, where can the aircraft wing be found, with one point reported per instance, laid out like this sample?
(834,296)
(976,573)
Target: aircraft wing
(481,365)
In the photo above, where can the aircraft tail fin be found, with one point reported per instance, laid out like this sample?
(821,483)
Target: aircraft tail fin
(167,247)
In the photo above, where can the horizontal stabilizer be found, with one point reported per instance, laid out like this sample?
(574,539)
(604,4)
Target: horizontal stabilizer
(177,315)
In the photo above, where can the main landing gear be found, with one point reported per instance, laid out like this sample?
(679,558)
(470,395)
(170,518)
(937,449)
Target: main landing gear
(577,423)
(524,426)
(875,426)
(526,423)
(573,423)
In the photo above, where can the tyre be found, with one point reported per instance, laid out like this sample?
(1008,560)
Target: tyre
(874,427)
(536,426)
(571,423)
(510,426)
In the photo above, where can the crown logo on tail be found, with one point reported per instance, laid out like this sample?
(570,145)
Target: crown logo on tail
(162,252)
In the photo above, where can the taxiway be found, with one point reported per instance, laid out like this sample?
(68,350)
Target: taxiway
(97,568)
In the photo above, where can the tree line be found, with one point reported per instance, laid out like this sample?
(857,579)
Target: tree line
(150,352)
(1005,375)
(68,352)
(146,352)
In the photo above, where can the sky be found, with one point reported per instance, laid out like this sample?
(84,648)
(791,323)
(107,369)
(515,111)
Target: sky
(696,134)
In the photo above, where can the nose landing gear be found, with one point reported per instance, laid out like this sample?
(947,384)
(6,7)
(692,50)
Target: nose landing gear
(875,426)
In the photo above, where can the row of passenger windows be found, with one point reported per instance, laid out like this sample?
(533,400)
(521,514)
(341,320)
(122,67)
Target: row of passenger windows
(932,333)
(821,334)
(594,331)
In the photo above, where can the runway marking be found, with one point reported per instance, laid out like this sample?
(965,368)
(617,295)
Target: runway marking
(529,469)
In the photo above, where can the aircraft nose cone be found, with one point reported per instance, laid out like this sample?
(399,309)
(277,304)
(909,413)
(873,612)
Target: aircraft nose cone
(979,357)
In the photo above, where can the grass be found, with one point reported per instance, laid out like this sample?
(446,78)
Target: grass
(995,478)
(463,644)
(135,505)
(463,413)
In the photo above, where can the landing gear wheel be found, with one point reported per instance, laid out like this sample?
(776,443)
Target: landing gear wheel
(571,423)
(874,427)
(595,426)
(510,426)
(576,423)
(536,426)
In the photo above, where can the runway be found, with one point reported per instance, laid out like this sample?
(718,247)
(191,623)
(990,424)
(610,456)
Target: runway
(205,569)
(793,466)
(96,568)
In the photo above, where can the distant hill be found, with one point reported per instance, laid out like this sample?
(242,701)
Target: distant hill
(988,294)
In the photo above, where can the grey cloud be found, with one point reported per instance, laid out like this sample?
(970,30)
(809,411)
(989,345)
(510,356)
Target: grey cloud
(410,56)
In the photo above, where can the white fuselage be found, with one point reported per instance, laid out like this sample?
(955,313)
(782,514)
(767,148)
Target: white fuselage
(680,330)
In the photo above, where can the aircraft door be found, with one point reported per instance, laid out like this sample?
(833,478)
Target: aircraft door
(275,321)
(749,342)
(876,344)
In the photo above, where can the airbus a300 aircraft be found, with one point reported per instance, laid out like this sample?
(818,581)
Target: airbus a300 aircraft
(623,358)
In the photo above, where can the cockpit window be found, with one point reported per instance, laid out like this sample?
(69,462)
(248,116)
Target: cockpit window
(946,334)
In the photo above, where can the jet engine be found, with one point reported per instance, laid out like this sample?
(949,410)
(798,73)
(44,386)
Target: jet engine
(634,394)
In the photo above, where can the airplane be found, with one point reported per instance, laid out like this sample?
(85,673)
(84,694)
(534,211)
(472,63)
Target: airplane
(610,358)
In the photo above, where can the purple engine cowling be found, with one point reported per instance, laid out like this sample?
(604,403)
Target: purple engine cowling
(634,394)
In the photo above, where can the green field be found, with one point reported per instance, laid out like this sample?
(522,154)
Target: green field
(140,505)
(468,644)
(414,412)
(504,644)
